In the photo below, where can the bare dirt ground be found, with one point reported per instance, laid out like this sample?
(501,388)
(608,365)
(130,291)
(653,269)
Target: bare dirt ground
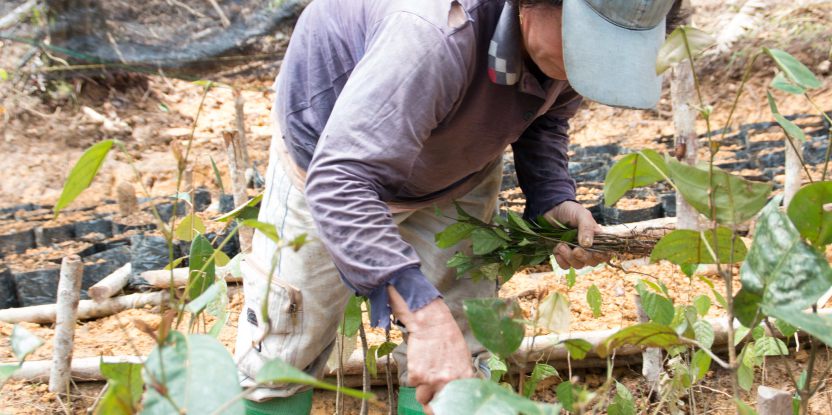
(42,134)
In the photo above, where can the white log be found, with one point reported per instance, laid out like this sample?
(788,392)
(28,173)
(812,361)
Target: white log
(111,284)
(69,294)
(656,227)
(771,401)
(15,15)
(84,369)
(87,309)
(160,278)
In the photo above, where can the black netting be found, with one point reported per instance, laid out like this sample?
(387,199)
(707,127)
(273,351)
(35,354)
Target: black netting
(151,33)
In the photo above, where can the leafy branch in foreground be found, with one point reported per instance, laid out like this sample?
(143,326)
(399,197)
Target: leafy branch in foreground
(511,243)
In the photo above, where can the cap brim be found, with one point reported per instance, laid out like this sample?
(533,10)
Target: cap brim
(610,64)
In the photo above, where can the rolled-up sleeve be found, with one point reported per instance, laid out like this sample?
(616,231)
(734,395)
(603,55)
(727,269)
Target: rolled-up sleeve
(405,84)
(541,160)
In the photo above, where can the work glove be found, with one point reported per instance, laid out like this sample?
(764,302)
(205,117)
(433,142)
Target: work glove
(574,215)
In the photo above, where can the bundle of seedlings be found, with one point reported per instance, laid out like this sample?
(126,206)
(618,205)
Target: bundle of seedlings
(511,243)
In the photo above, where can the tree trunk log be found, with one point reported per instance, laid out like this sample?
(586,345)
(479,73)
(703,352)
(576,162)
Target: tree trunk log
(87,309)
(111,284)
(69,294)
(160,278)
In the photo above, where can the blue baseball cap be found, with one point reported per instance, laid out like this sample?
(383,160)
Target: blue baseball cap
(610,49)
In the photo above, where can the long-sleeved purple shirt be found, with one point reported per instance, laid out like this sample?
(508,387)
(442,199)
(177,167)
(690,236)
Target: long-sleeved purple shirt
(381,102)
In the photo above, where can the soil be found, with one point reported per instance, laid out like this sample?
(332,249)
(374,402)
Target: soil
(44,133)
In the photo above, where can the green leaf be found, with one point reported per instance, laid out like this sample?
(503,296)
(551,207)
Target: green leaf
(83,173)
(217,175)
(485,241)
(175,263)
(688,269)
(747,307)
(633,170)
(593,298)
(720,299)
(540,372)
(736,199)
(218,308)
(370,361)
(704,333)
(808,215)
(493,322)
(770,346)
(4,76)
(352,317)
(483,397)
(198,304)
(554,313)
(220,258)
(517,222)
(566,395)
(200,254)
(571,277)
(702,303)
(818,326)
(199,376)
(23,342)
(189,227)
(248,210)
(743,408)
(498,367)
(267,229)
(124,389)
(786,329)
(700,363)
(745,371)
(675,49)
(453,234)
(791,129)
(782,83)
(648,334)
(578,348)
(6,371)
(276,371)
(687,247)
(782,268)
(386,348)
(793,69)
(623,402)
(658,308)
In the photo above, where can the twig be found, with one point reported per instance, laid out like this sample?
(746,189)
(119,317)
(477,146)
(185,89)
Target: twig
(366,373)
(15,15)
(223,18)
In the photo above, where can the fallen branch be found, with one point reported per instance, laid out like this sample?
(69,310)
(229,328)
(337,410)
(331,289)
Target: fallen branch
(69,294)
(17,14)
(160,278)
(83,369)
(111,284)
(87,309)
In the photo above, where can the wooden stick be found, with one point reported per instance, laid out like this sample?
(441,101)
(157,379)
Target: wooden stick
(111,284)
(236,169)
(69,294)
(651,366)
(223,19)
(17,14)
(87,309)
(656,227)
(793,173)
(83,369)
(160,278)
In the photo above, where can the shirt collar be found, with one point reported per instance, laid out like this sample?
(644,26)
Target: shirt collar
(505,57)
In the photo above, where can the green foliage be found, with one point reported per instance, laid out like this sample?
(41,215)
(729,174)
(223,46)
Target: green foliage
(194,372)
(688,247)
(577,348)
(493,322)
(791,129)
(704,333)
(657,307)
(483,397)
(453,234)
(593,298)
(682,44)
(352,317)
(808,215)
(702,303)
(648,334)
(277,371)
(700,363)
(623,402)
(124,389)
(498,368)
(633,170)
(189,227)
(83,173)
(554,313)
(571,276)
(485,241)
(217,175)
(540,372)
(202,270)
(781,272)
(267,229)
(736,200)
(376,352)
(784,84)
(248,210)
(793,69)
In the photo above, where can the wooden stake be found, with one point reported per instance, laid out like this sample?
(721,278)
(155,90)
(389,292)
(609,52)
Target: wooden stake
(69,294)
(87,309)
(126,197)
(651,366)
(772,401)
(111,284)
(794,172)
(236,168)
(683,99)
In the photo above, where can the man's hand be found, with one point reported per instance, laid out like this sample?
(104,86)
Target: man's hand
(573,214)
(436,350)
